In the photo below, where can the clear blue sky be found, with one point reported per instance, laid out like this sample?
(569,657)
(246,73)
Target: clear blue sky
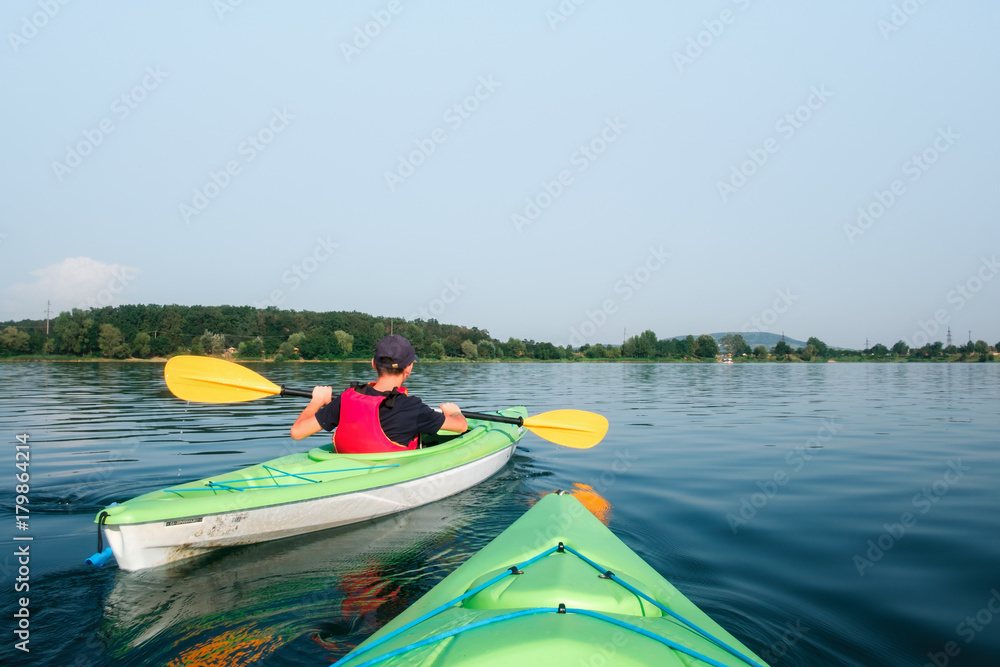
(383,173)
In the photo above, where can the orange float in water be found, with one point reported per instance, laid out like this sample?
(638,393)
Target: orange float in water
(593,501)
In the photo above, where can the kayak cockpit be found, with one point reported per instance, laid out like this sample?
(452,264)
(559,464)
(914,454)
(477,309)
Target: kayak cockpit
(560,577)
(326,452)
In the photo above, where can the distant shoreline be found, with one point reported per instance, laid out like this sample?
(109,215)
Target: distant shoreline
(956,358)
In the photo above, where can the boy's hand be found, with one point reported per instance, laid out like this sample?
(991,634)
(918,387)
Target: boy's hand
(322,395)
(450,409)
(454,421)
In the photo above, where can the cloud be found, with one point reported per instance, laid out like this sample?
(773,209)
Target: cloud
(75,282)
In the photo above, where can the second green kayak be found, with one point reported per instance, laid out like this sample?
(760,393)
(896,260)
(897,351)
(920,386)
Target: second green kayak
(301,493)
(556,588)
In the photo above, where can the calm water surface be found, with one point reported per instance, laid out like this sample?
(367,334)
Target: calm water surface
(837,514)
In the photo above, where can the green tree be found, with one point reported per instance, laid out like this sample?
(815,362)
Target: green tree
(595,352)
(437,350)
(72,332)
(821,348)
(901,348)
(629,348)
(295,340)
(214,344)
(171,325)
(705,347)
(345,340)
(161,346)
(469,349)
(140,345)
(734,344)
(666,348)
(760,352)
(807,353)
(685,346)
(645,344)
(111,342)
(252,349)
(317,344)
(514,347)
(879,350)
(781,349)
(415,334)
(546,351)
(13,341)
(486,349)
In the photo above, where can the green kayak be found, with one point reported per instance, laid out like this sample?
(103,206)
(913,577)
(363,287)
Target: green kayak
(556,588)
(300,493)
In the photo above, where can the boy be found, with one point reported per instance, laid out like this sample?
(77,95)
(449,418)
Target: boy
(378,416)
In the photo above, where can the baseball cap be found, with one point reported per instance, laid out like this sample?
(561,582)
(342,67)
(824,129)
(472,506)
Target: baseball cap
(394,352)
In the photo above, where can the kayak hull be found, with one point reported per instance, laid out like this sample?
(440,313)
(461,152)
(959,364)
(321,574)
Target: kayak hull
(558,606)
(298,494)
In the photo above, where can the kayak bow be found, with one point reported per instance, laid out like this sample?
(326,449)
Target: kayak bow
(556,588)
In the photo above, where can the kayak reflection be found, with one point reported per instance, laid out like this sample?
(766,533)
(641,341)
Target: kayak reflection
(332,589)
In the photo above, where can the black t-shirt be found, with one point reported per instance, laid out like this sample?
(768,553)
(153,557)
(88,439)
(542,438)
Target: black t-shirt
(405,419)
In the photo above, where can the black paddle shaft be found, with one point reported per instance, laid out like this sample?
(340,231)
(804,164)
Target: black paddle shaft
(517,421)
(285,391)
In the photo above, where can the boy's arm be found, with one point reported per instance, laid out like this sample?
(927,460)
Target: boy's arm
(307,424)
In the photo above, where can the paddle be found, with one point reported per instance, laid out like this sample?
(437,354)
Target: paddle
(208,380)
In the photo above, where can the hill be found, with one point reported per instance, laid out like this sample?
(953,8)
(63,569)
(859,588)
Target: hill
(755,338)
(765,338)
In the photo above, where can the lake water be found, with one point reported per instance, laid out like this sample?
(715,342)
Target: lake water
(835,514)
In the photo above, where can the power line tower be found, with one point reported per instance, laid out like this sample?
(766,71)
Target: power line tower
(949,337)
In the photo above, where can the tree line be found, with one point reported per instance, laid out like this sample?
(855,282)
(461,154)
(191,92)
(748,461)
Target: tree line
(647,346)
(146,331)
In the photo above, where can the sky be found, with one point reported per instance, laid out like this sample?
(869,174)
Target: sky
(569,171)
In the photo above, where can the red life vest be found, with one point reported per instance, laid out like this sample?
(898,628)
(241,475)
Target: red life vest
(359,430)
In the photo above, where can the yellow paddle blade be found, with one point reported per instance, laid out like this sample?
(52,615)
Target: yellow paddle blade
(570,428)
(208,380)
